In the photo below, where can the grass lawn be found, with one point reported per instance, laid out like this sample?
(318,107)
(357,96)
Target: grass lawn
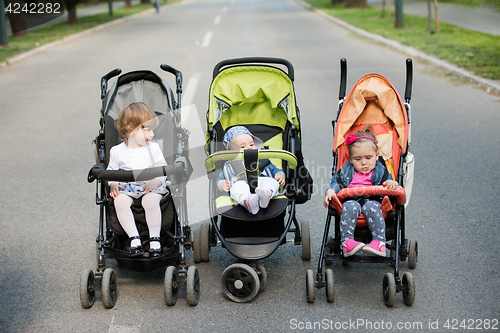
(475,51)
(45,35)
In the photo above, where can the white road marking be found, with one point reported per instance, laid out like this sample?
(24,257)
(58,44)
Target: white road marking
(190,89)
(217,19)
(206,39)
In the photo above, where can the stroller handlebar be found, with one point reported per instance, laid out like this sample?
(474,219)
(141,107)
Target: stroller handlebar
(230,155)
(99,172)
(260,60)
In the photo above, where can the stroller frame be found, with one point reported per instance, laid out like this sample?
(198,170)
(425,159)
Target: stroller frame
(400,247)
(249,272)
(177,277)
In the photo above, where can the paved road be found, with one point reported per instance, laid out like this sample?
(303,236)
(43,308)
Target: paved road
(49,111)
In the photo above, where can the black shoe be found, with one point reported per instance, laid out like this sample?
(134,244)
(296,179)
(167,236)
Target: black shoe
(136,250)
(155,253)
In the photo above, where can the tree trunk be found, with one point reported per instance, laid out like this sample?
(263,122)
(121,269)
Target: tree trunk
(438,28)
(128,3)
(429,17)
(71,9)
(145,2)
(17,21)
(355,4)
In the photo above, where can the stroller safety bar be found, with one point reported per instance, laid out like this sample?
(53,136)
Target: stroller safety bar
(238,155)
(99,172)
(353,192)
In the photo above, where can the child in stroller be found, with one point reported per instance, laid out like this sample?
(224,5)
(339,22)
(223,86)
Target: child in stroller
(362,169)
(271,177)
(136,123)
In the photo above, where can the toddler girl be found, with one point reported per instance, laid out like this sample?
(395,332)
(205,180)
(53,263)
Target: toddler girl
(362,169)
(233,180)
(136,123)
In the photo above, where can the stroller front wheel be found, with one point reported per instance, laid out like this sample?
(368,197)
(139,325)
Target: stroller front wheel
(329,286)
(389,290)
(171,285)
(109,292)
(87,288)
(408,289)
(310,284)
(193,286)
(240,283)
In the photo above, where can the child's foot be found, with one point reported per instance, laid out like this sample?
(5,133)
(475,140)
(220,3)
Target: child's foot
(135,246)
(351,247)
(251,203)
(376,248)
(264,196)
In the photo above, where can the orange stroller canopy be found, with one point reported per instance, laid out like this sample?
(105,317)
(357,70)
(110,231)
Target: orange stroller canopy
(374,100)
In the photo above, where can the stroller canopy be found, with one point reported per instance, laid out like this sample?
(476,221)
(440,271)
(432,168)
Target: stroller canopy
(374,100)
(139,86)
(252,95)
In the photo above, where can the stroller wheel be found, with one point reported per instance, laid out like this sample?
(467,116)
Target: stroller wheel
(87,288)
(412,253)
(389,290)
(262,274)
(329,286)
(408,288)
(306,240)
(240,283)
(197,245)
(310,286)
(205,241)
(171,286)
(193,286)
(109,293)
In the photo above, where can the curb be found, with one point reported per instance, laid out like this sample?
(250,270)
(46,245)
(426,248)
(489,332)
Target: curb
(490,86)
(69,38)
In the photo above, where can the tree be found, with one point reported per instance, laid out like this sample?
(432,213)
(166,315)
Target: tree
(17,20)
(71,9)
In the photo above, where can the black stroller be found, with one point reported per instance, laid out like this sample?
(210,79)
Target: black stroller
(252,93)
(112,242)
(373,100)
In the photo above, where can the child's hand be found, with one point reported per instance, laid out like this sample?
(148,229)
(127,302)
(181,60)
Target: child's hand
(152,185)
(391,184)
(114,189)
(280,178)
(225,185)
(329,195)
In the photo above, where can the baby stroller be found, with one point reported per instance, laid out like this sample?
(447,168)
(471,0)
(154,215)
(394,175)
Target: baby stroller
(373,100)
(112,242)
(253,93)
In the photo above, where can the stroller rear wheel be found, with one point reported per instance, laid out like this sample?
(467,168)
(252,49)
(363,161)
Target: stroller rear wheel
(171,285)
(205,242)
(240,283)
(306,240)
(87,288)
(109,293)
(193,286)
(389,289)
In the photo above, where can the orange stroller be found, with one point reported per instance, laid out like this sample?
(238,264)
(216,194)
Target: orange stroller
(373,100)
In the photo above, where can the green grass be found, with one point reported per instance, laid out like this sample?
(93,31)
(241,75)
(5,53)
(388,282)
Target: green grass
(38,37)
(475,51)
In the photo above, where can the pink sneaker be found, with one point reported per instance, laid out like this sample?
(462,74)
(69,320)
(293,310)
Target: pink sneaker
(351,247)
(376,248)
(264,197)
(251,203)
